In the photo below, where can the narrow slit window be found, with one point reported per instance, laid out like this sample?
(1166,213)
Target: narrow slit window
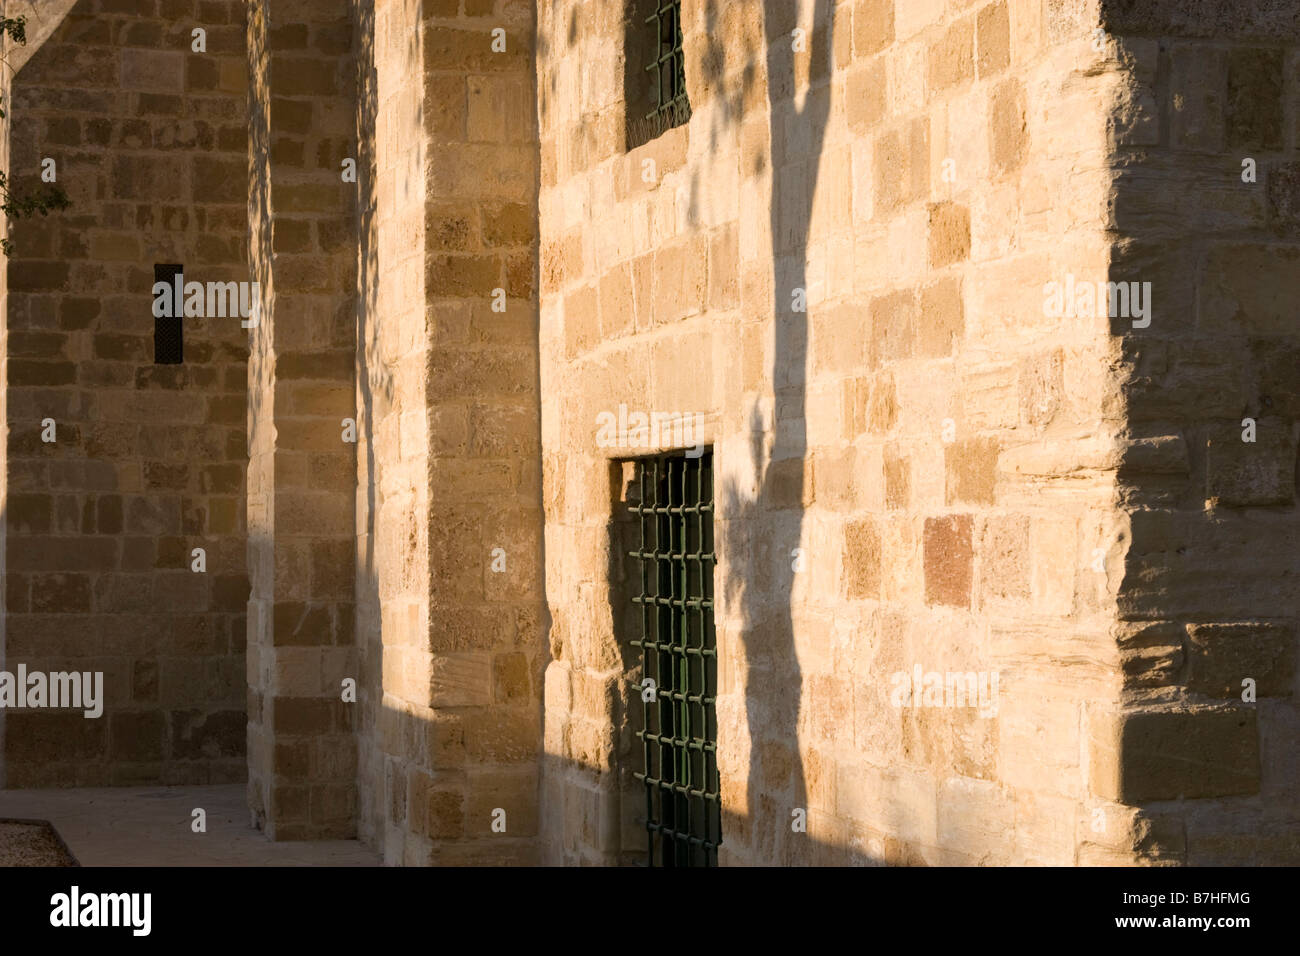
(168,337)
(675,560)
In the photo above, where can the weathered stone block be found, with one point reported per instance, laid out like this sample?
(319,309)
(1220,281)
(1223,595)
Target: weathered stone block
(862,559)
(1005,554)
(137,735)
(993,38)
(893,327)
(949,234)
(942,322)
(971,468)
(951,59)
(1152,655)
(1254,113)
(873,26)
(1221,656)
(198,735)
(901,165)
(1243,474)
(949,560)
(1172,755)
(1198,80)
(1284,199)
(461,680)
(1008,130)
(1247,289)
(1201,18)
(60,593)
(898,475)
(865,95)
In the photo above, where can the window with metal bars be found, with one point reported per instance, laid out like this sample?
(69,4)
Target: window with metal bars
(168,335)
(655,78)
(674,560)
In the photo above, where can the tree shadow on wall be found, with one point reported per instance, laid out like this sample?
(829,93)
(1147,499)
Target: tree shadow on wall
(764,529)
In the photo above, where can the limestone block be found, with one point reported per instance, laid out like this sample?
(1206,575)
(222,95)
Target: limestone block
(1254,99)
(1008,129)
(971,469)
(993,38)
(975,817)
(1197,79)
(1169,755)
(1222,655)
(948,560)
(1284,199)
(951,58)
(1246,474)
(1245,290)
(1153,654)
(873,26)
(862,559)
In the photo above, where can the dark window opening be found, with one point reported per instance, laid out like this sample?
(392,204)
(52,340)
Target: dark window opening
(672,501)
(654,78)
(168,339)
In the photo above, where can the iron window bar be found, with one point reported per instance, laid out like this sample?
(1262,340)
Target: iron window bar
(672,107)
(676,560)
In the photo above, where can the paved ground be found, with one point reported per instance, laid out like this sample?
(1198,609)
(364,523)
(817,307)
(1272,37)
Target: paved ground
(150,826)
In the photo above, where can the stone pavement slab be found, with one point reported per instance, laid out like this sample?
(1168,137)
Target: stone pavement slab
(151,826)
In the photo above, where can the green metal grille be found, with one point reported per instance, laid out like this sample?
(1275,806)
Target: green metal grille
(675,558)
(672,108)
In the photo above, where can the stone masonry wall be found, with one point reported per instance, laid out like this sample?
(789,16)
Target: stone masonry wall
(149,140)
(844,264)
(302,221)
(937,448)
(6,50)
(1209,600)
(392,456)
(450,480)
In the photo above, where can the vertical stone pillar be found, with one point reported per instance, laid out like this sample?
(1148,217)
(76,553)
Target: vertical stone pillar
(485,606)
(302,752)
(392,457)
(449,595)
(6,48)
(1196,759)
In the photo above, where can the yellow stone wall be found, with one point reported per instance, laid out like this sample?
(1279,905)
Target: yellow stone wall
(937,450)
